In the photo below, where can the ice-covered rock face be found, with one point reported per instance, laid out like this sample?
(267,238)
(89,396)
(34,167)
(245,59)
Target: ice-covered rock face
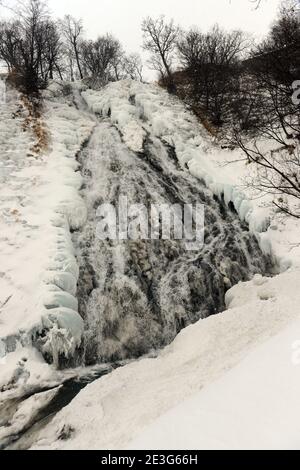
(135,296)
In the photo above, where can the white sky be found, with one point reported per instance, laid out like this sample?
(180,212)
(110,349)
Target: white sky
(123,17)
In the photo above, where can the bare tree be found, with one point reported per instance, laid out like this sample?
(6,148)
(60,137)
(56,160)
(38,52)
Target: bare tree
(24,45)
(101,58)
(278,174)
(118,71)
(72,30)
(9,44)
(273,67)
(133,67)
(160,39)
(52,55)
(211,65)
(35,48)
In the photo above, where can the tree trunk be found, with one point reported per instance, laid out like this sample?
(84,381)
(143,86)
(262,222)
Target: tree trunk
(78,61)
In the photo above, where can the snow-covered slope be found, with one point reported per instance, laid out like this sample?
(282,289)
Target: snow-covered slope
(117,409)
(39,204)
(253,406)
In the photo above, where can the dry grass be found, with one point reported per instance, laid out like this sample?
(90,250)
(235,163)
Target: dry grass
(205,122)
(34,122)
(31,109)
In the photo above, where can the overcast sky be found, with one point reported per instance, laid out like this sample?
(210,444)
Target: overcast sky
(123,17)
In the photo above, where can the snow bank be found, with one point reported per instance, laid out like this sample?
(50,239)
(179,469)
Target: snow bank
(23,372)
(25,414)
(131,402)
(40,204)
(255,406)
(114,102)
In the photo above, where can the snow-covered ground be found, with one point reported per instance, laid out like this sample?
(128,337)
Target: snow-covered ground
(229,381)
(253,406)
(135,402)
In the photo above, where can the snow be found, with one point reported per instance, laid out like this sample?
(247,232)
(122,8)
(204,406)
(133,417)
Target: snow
(39,205)
(24,371)
(65,331)
(25,414)
(124,115)
(132,402)
(254,406)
